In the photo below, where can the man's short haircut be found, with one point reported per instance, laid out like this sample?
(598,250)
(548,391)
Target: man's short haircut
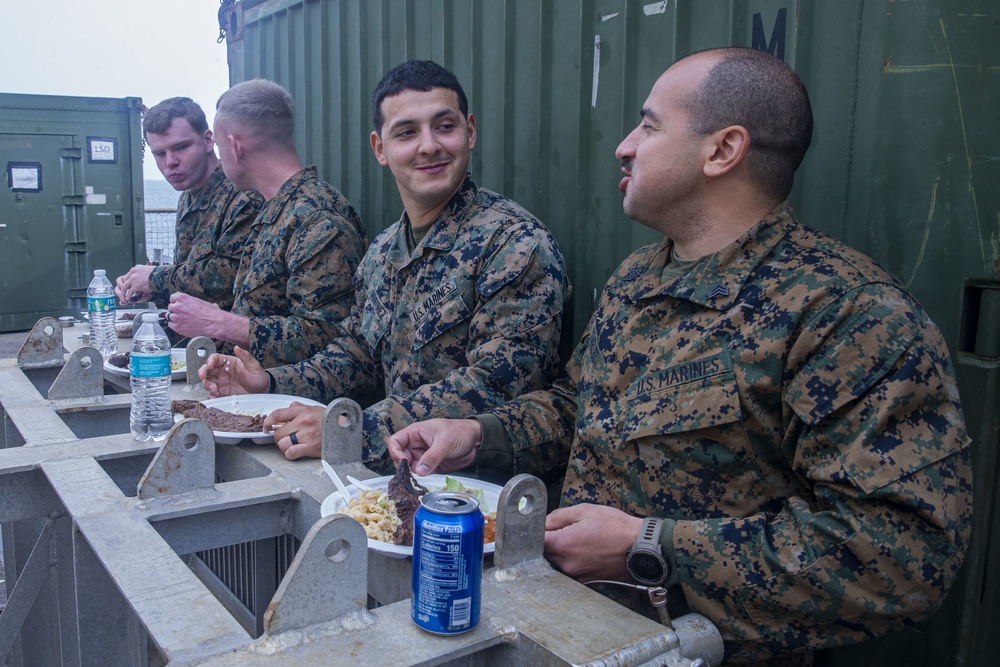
(259,109)
(761,93)
(158,119)
(420,75)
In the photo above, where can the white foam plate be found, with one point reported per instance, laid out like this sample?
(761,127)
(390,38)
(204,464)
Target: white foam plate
(334,503)
(178,359)
(250,404)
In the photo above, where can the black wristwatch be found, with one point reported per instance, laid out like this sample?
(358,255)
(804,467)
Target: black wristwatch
(645,561)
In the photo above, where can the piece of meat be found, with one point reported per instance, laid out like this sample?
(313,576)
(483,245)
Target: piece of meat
(219,420)
(120,360)
(405,492)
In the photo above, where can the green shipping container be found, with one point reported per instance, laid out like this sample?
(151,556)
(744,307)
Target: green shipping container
(71,201)
(906,98)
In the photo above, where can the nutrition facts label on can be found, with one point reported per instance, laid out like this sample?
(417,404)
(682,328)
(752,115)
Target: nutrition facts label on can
(443,572)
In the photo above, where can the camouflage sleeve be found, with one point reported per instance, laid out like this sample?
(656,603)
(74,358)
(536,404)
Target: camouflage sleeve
(321,259)
(345,367)
(873,422)
(210,271)
(513,339)
(539,425)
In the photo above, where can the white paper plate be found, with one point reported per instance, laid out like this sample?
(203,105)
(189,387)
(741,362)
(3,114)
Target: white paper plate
(334,503)
(177,356)
(250,404)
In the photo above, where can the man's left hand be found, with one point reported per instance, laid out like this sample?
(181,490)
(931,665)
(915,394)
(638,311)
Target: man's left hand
(589,541)
(191,316)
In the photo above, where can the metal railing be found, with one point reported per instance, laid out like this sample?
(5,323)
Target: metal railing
(161,234)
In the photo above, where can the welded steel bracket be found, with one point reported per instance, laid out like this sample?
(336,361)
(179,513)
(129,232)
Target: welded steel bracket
(197,353)
(81,377)
(44,346)
(520,534)
(185,462)
(327,579)
(343,430)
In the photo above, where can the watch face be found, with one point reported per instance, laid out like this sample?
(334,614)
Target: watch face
(645,567)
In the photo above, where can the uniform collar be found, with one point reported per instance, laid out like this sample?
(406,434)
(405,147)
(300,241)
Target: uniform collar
(716,281)
(201,199)
(444,229)
(272,208)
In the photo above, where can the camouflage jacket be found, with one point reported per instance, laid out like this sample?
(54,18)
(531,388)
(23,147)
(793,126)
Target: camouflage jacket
(795,411)
(213,228)
(295,285)
(468,320)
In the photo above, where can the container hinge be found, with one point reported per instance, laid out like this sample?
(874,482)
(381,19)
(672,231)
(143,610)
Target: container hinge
(74,200)
(72,153)
(78,246)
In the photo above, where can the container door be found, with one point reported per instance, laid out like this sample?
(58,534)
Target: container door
(39,221)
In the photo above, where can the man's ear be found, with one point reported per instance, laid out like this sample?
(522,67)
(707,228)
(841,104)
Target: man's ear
(727,148)
(378,149)
(209,143)
(471,120)
(237,146)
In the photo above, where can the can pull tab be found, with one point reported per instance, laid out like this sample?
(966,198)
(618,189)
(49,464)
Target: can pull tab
(657,597)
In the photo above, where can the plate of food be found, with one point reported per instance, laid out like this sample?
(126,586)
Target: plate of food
(376,509)
(237,418)
(125,319)
(119,364)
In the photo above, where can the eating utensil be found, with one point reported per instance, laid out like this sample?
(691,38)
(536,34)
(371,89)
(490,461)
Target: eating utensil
(332,474)
(354,481)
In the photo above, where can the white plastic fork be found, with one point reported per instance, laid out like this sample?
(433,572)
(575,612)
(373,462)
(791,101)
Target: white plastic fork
(332,474)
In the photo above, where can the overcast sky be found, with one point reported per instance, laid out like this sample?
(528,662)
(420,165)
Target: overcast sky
(151,49)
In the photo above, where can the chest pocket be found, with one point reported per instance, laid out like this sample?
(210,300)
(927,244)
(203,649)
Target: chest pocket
(706,403)
(692,449)
(441,311)
(374,322)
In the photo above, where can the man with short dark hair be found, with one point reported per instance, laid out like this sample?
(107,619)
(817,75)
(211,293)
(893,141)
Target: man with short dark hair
(458,305)
(758,418)
(294,283)
(213,217)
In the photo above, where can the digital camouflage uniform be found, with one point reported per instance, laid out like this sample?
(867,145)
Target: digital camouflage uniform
(295,284)
(468,320)
(795,411)
(213,227)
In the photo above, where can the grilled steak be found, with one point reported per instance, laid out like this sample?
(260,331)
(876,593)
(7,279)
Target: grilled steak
(405,492)
(120,360)
(219,420)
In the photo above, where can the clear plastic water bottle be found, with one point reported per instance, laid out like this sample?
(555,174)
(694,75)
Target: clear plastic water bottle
(149,371)
(102,304)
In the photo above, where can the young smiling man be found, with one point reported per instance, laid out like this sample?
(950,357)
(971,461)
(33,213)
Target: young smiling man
(213,218)
(458,305)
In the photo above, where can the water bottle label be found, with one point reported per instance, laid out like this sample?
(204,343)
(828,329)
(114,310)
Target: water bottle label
(146,365)
(102,304)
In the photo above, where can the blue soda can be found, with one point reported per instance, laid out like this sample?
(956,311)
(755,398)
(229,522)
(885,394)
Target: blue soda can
(447,562)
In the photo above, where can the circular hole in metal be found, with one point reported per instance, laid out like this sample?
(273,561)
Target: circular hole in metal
(201,352)
(85,362)
(344,420)
(338,550)
(48,329)
(526,505)
(190,441)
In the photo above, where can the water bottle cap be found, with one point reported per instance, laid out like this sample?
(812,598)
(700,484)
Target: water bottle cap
(100,272)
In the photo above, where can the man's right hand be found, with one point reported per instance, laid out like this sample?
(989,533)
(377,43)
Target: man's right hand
(225,375)
(437,445)
(134,285)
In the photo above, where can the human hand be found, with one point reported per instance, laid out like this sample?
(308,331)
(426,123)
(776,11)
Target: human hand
(134,285)
(300,430)
(190,316)
(225,375)
(437,445)
(589,541)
